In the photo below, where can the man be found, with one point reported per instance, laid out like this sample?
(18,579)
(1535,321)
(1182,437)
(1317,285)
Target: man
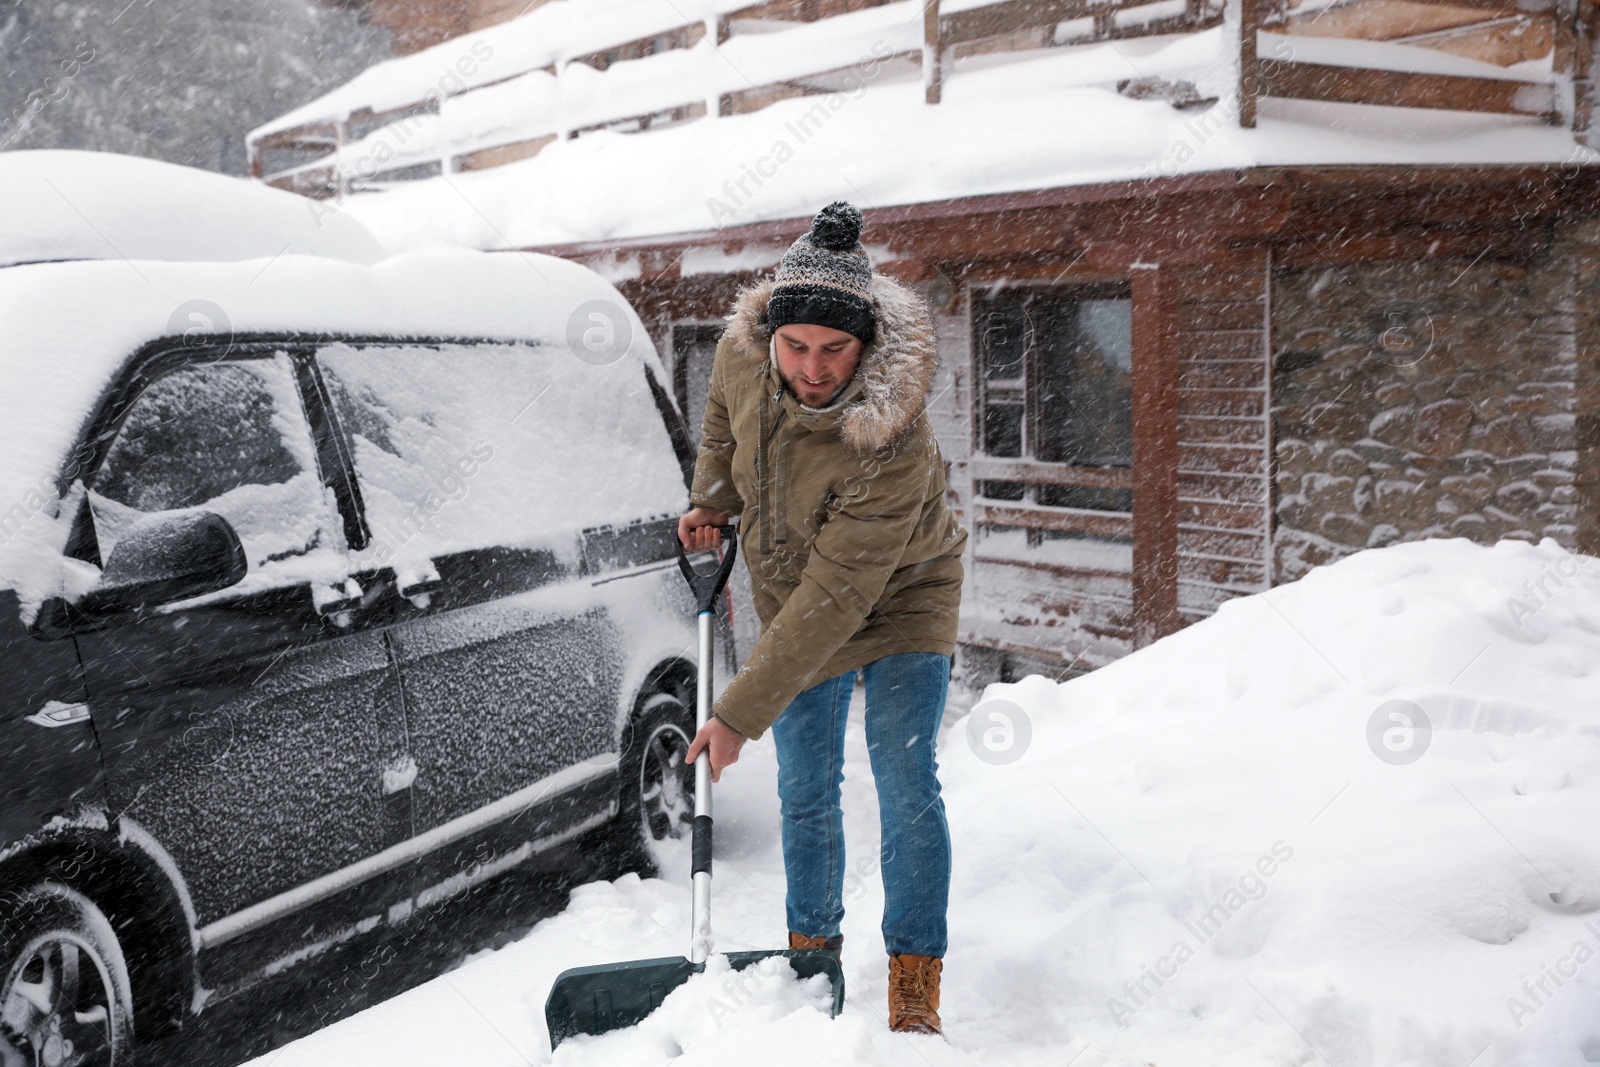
(816,437)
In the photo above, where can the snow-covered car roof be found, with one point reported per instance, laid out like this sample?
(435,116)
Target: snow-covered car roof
(67,329)
(98,205)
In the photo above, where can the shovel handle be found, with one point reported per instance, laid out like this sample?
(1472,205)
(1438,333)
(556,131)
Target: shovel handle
(708,586)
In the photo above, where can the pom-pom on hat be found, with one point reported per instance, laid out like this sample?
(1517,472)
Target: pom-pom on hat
(825,279)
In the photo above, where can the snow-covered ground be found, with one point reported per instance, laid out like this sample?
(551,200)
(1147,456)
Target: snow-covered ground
(1224,849)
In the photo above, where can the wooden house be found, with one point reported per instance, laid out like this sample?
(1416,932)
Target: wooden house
(1185,384)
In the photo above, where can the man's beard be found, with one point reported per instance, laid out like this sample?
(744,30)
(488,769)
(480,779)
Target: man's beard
(789,384)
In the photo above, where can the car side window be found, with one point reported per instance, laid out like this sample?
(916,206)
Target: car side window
(466,446)
(228,437)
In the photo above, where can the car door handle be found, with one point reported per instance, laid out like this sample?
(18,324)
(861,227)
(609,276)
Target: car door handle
(55,715)
(418,585)
(337,603)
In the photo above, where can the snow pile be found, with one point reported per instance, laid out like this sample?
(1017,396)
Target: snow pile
(1345,819)
(98,205)
(1224,849)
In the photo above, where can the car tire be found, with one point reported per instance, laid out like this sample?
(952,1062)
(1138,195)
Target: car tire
(65,999)
(655,810)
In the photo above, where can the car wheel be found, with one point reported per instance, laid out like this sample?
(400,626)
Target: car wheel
(656,809)
(64,994)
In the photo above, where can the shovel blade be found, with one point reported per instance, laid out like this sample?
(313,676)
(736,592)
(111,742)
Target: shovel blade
(805,962)
(612,996)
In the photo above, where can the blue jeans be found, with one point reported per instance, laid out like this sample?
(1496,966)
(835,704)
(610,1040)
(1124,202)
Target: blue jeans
(905,703)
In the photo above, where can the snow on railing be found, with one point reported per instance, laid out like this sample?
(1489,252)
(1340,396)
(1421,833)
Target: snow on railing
(1553,86)
(503,94)
(554,33)
(573,67)
(407,96)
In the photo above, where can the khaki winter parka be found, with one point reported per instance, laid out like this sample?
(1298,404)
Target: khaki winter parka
(852,551)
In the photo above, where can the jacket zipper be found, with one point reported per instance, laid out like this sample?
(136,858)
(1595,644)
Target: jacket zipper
(764,487)
(780,485)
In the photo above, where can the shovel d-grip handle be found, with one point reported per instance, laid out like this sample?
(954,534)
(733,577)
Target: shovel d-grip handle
(708,586)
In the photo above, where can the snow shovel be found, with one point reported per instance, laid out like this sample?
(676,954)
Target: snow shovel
(611,996)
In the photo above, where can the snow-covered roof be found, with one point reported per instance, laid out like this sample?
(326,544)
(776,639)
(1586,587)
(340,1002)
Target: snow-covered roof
(67,329)
(1008,122)
(98,205)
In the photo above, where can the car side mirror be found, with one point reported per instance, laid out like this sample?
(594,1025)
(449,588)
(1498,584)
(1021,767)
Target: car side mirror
(167,557)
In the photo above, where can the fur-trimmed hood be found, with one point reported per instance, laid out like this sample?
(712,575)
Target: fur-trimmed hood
(896,371)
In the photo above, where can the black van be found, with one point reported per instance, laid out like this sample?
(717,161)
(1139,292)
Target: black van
(345,624)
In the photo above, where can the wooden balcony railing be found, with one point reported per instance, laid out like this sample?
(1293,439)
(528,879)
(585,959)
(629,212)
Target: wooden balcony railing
(1037,23)
(1397,74)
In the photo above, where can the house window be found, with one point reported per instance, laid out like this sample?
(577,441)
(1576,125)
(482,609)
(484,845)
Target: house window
(1056,385)
(1055,403)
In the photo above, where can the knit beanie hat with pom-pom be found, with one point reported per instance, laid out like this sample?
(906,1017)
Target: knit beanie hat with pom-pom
(824,278)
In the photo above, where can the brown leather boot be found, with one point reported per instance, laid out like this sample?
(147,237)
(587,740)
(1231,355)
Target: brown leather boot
(834,944)
(914,994)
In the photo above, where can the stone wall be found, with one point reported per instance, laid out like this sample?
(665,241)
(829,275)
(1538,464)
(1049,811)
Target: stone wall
(1425,399)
